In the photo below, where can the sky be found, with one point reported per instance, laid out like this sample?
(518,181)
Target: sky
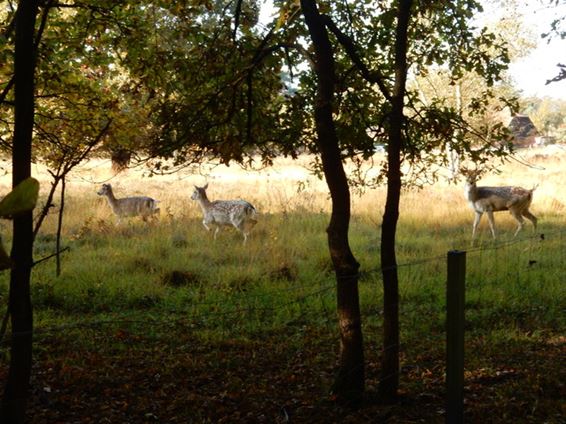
(531,72)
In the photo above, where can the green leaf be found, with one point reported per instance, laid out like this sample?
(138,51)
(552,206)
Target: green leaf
(21,199)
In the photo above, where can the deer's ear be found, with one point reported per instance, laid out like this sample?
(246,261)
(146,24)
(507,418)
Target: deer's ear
(205,186)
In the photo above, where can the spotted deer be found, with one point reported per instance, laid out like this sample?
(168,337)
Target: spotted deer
(237,213)
(516,200)
(142,206)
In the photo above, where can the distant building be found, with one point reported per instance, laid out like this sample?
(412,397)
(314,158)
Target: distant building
(523,130)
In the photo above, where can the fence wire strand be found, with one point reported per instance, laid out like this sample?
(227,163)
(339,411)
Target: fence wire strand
(493,247)
(201,314)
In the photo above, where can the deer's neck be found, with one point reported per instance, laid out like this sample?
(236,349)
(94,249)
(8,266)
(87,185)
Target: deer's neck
(111,198)
(204,203)
(471,191)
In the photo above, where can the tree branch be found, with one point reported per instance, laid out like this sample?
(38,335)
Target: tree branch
(237,14)
(373,77)
(62,170)
(561,75)
(51,256)
(42,25)
(7,89)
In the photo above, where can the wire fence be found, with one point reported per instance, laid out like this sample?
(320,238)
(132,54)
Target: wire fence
(521,273)
(516,261)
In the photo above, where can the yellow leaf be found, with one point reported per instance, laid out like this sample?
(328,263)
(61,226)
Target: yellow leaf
(21,199)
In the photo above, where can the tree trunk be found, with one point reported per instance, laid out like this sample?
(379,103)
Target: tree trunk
(17,384)
(60,226)
(389,381)
(453,155)
(349,382)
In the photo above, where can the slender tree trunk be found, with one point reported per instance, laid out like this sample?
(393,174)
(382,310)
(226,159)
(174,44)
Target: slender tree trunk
(60,225)
(453,155)
(349,382)
(17,385)
(48,203)
(389,382)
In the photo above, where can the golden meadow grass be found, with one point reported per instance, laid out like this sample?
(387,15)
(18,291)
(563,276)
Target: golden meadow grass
(174,264)
(290,186)
(165,290)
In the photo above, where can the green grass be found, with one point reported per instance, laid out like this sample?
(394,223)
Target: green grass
(169,285)
(285,271)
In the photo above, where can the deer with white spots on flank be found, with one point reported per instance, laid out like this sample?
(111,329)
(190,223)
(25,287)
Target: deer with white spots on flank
(516,200)
(142,206)
(237,213)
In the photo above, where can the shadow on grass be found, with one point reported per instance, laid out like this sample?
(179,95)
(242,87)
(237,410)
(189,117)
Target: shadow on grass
(127,372)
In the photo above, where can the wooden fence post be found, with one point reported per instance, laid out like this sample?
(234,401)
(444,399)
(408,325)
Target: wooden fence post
(455,291)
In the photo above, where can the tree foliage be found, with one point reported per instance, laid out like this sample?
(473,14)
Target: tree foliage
(186,81)
(557,29)
(548,115)
(196,79)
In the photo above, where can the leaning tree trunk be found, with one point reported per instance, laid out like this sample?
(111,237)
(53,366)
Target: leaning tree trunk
(349,382)
(17,384)
(389,381)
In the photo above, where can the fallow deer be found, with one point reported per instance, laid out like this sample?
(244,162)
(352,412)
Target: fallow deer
(237,213)
(142,206)
(516,200)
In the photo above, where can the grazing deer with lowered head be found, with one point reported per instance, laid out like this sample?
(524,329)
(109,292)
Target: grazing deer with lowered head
(516,200)
(237,213)
(129,206)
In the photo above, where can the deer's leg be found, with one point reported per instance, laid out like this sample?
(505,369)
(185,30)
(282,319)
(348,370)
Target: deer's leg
(216,231)
(530,217)
(238,224)
(245,226)
(477,220)
(491,223)
(244,232)
(519,218)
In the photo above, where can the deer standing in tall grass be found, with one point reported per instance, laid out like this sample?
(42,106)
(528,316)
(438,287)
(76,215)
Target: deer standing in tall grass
(142,206)
(516,200)
(237,213)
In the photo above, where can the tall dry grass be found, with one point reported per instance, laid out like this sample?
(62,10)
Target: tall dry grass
(173,270)
(289,238)
(289,186)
